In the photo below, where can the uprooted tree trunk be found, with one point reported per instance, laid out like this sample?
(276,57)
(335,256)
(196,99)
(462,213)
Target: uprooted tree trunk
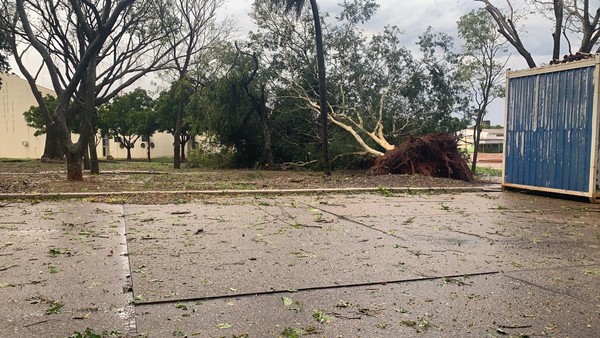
(431,155)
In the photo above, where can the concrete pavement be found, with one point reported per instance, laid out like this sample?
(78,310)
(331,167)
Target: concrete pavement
(364,265)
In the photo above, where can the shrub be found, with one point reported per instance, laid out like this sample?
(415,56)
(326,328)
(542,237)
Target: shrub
(202,158)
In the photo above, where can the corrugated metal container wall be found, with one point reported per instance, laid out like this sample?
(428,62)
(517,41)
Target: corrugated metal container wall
(549,129)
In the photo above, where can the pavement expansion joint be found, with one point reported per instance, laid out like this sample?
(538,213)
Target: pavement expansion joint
(242,192)
(234,262)
(128,312)
(315,288)
(521,280)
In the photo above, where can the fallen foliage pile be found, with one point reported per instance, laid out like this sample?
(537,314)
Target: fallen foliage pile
(430,155)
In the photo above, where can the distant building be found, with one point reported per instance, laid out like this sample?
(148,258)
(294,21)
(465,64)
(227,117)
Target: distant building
(492,140)
(17,140)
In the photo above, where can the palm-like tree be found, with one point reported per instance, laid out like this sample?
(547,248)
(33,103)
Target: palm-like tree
(297,5)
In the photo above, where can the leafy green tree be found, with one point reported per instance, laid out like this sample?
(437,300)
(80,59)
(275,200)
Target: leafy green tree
(192,30)
(168,108)
(255,87)
(297,6)
(34,118)
(129,117)
(379,93)
(482,45)
(229,109)
(445,93)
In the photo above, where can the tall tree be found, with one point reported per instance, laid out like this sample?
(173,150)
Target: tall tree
(297,6)
(249,65)
(192,29)
(168,109)
(482,45)
(379,91)
(230,108)
(91,50)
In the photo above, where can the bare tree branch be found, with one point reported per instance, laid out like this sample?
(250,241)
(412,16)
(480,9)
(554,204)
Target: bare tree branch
(506,27)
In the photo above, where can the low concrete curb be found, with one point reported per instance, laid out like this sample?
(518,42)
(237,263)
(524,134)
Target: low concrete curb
(406,190)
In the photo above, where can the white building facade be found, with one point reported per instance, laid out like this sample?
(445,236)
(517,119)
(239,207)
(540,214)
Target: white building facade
(17,140)
(491,141)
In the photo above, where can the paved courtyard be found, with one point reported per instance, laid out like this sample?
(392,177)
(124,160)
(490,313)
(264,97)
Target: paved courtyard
(326,265)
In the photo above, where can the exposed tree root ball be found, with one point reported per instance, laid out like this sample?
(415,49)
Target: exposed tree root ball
(430,155)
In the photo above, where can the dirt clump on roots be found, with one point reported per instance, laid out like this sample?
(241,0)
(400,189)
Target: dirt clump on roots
(433,155)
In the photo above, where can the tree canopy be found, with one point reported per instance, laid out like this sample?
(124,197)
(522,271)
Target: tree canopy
(380,91)
(261,98)
(130,117)
(482,46)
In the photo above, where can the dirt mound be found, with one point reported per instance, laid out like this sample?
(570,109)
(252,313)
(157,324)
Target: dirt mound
(430,155)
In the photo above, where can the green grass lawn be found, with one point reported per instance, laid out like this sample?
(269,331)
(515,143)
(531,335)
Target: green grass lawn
(483,171)
(35,165)
(157,164)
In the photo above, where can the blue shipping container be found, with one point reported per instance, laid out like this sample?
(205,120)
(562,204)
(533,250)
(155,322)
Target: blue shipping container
(552,124)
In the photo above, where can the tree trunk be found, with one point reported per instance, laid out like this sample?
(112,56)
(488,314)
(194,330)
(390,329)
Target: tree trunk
(177,158)
(264,124)
(128,153)
(267,147)
(476,139)
(148,149)
(86,157)
(558,15)
(589,28)
(74,152)
(74,165)
(94,165)
(182,143)
(176,151)
(322,87)
(53,149)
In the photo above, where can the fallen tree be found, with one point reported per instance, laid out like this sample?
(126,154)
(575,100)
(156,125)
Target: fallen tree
(430,155)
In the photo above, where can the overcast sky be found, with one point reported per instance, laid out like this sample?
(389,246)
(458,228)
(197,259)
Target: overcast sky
(414,16)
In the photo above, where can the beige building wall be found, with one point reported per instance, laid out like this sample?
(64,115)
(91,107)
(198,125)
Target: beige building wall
(16,138)
(162,142)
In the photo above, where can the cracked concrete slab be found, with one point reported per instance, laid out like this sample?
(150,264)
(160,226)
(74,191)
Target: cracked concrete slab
(476,307)
(580,283)
(481,220)
(319,231)
(295,247)
(67,270)
(366,265)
